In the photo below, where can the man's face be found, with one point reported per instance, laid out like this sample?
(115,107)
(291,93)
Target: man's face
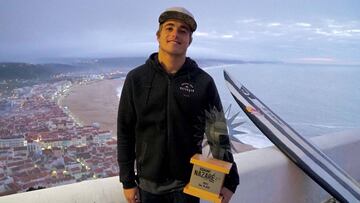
(174,37)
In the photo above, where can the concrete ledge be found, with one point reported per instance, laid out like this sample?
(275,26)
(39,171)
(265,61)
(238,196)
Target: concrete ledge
(106,190)
(266,175)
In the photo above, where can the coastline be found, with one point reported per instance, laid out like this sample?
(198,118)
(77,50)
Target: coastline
(95,102)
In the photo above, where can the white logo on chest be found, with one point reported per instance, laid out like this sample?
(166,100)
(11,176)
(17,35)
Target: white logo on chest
(186,89)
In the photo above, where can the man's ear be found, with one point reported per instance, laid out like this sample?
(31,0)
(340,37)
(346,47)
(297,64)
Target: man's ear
(190,40)
(158,35)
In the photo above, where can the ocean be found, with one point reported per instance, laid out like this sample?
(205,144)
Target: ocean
(313,99)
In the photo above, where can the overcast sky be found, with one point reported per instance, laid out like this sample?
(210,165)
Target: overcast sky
(298,31)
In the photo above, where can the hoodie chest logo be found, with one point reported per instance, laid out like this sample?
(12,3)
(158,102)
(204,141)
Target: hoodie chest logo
(186,89)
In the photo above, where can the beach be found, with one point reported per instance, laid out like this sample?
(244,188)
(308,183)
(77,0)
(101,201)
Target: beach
(97,102)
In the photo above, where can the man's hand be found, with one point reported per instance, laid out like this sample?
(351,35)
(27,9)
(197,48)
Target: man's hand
(226,194)
(132,195)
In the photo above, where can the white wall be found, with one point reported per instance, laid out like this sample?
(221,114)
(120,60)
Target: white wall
(107,190)
(266,175)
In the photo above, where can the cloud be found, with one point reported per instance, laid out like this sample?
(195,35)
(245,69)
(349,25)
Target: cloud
(319,59)
(314,60)
(227,36)
(247,21)
(201,34)
(354,31)
(214,35)
(262,30)
(337,32)
(321,32)
(301,24)
(335,26)
(274,24)
(332,24)
(71,29)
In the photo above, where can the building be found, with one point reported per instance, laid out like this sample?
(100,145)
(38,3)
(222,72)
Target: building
(13,141)
(102,137)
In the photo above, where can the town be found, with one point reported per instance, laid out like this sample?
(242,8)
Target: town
(42,145)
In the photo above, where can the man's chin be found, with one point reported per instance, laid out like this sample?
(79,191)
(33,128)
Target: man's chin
(175,51)
(178,53)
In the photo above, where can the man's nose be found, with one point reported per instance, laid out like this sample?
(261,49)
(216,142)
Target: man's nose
(175,33)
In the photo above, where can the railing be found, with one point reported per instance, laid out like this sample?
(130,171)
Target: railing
(266,175)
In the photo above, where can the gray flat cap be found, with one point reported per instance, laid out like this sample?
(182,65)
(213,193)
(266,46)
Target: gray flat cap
(179,13)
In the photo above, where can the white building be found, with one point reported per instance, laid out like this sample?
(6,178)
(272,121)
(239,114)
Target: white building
(13,141)
(102,137)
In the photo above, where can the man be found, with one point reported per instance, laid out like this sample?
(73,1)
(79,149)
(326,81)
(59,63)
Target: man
(166,106)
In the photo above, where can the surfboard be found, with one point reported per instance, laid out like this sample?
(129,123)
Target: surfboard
(315,163)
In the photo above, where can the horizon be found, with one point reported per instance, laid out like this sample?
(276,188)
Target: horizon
(75,60)
(308,32)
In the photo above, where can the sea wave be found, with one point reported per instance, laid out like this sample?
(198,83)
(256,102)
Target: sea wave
(118,91)
(217,67)
(254,139)
(324,125)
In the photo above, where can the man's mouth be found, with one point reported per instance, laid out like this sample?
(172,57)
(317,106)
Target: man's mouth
(174,41)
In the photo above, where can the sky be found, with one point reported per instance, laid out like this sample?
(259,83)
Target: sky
(306,31)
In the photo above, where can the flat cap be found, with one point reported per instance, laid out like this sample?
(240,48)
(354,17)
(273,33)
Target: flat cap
(179,13)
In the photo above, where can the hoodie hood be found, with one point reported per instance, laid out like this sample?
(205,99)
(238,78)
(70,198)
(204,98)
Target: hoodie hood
(189,64)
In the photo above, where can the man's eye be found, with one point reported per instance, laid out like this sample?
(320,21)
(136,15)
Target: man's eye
(169,29)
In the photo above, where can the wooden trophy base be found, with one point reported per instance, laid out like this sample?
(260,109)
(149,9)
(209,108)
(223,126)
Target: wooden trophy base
(202,194)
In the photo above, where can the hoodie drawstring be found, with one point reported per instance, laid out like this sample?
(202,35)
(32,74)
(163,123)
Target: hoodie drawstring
(151,80)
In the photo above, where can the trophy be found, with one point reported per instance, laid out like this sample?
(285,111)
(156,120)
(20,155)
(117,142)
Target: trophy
(207,178)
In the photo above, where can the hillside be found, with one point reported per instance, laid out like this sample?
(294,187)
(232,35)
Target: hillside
(11,71)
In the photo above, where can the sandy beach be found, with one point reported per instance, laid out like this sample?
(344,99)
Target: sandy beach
(97,102)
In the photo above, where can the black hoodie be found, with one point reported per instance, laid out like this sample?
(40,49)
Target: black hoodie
(162,120)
